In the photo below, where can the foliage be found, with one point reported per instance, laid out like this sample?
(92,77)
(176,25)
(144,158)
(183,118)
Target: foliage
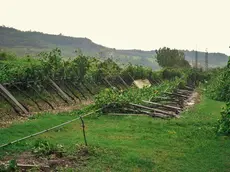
(224,123)
(10,168)
(93,73)
(136,143)
(166,57)
(136,71)
(44,148)
(121,98)
(108,68)
(218,87)
(7,56)
(169,73)
(196,76)
(53,65)
(50,65)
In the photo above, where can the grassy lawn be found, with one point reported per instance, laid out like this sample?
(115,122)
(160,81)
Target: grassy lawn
(136,143)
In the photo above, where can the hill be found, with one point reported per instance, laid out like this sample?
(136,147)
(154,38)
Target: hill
(31,42)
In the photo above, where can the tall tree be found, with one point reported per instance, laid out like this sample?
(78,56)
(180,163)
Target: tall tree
(167,57)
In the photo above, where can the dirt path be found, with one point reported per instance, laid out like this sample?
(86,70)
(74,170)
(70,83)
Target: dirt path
(192,100)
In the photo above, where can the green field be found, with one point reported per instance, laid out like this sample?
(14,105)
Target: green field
(135,143)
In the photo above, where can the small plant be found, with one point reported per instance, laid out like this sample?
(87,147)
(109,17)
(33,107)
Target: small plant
(45,148)
(10,168)
(3,168)
(224,123)
(82,150)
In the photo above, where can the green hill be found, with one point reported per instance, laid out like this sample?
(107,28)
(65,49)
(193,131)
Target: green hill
(31,42)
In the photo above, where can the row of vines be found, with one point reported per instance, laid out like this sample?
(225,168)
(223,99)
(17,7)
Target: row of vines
(31,76)
(53,65)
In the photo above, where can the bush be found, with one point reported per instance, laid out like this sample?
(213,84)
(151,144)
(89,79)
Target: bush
(45,148)
(218,87)
(224,123)
(196,76)
(170,73)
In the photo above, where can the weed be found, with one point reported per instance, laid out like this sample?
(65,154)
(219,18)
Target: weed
(11,167)
(45,148)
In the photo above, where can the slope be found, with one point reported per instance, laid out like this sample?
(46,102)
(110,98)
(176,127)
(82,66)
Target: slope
(31,42)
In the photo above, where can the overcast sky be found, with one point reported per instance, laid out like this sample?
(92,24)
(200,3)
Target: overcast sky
(127,24)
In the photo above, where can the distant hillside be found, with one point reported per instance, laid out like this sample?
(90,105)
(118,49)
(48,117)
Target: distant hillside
(31,42)
(214,59)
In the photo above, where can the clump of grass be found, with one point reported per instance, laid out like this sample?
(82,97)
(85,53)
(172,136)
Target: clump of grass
(44,148)
(12,166)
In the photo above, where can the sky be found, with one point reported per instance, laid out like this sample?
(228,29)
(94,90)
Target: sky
(127,24)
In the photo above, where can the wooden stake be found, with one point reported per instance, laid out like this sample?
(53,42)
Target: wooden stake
(83,130)
(76,86)
(61,91)
(27,96)
(72,92)
(123,81)
(176,94)
(46,101)
(86,88)
(152,114)
(108,83)
(159,104)
(13,99)
(189,88)
(10,103)
(152,109)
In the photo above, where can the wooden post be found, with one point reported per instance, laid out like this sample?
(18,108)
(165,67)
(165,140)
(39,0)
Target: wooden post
(131,77)
(162,105)
(83,129)
(84,85)
(152,109)
(176,94)
(79,90)
(72,92)
(125,84)
(24,93)
(60,90)
(123,81)
(43,99)
(108,83)
(10,103)
(13,99)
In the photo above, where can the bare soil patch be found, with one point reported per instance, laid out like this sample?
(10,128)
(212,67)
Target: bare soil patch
(7,119)
(27,161)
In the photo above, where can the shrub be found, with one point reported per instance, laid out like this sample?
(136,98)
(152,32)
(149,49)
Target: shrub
(170,73)
(45,148)
(224,123)
(219,85)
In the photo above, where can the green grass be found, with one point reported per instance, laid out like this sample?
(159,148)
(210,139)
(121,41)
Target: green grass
(136,143)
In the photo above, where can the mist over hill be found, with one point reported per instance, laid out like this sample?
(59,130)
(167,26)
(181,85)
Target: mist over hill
(31,42)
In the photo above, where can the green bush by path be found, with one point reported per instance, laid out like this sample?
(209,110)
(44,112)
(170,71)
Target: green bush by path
(219,85)
(218,88)
(224,123)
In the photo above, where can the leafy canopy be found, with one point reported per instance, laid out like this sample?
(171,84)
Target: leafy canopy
(167,57)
